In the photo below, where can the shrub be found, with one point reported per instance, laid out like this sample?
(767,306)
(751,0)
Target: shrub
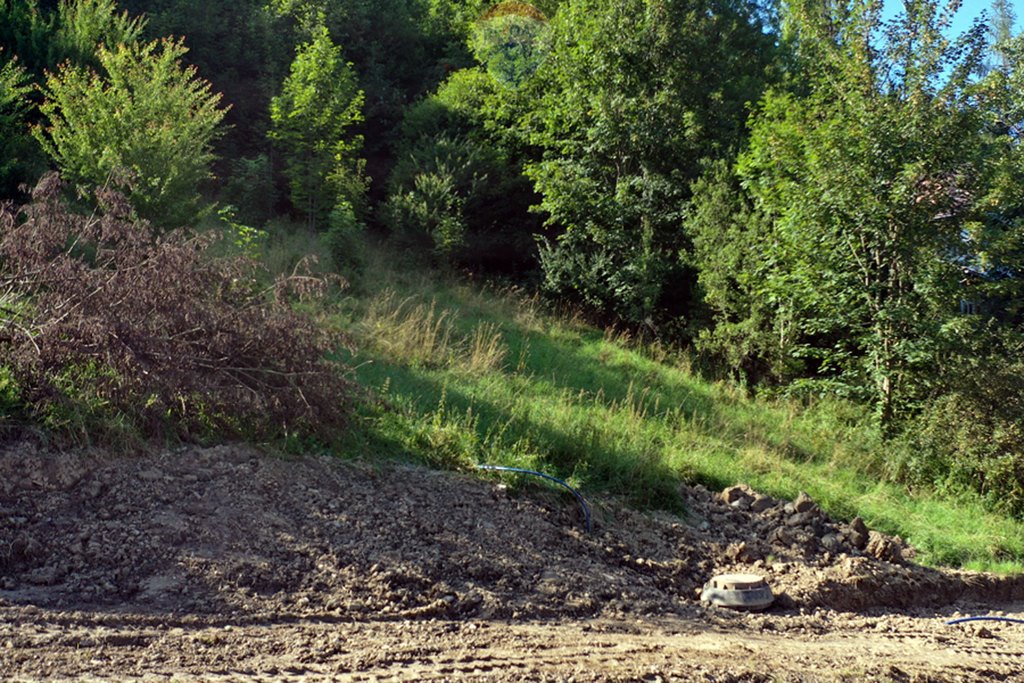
(250,187)
(147,122)
(971,438)
(457,188)
(18,153)
(430,213)
(344,241)
(151,331)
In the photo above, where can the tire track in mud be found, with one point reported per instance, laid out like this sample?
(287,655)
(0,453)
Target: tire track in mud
(896,647)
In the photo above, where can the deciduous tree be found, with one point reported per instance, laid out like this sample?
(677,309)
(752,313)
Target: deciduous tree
(144,121)
(312,118)
(864,183)
(633,96)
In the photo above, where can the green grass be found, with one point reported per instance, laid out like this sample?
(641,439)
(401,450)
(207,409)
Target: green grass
(462,375)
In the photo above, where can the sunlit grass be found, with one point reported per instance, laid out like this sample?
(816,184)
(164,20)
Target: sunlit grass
(463,376)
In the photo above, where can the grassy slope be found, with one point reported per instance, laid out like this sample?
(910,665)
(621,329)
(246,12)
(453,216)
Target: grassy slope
(466,376)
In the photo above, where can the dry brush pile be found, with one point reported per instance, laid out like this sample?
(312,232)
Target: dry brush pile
(106,324)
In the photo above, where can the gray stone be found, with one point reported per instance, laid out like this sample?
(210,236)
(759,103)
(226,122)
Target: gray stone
(803,503)
(736,493)
(800,519)
(858,533)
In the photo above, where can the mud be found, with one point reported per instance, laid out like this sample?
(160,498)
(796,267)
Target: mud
(228,563)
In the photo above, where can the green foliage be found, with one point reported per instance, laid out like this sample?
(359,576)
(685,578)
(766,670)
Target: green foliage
(84,25)
(743,331)
(400,50)
(457,188)
(319,103)
(246,239)
(243,48)
(146,123)
(432,209)
(27,31)
(18,153)
(45,36)
(632,97)
(861,187)
(10,396)
(970,437)
(345,241)
(250,187)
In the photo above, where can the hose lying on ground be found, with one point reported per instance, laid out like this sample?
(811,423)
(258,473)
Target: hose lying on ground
(966,619)
(519,470)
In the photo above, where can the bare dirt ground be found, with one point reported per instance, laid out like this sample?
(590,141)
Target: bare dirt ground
(227,564)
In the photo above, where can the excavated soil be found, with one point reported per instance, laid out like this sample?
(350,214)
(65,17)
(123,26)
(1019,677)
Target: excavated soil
(225,563)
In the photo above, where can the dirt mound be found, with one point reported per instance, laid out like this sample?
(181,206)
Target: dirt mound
(228,530)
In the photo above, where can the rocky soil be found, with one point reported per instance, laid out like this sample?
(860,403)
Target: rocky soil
(225,562)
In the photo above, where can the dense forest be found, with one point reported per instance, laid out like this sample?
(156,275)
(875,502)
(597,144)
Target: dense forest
(811,198)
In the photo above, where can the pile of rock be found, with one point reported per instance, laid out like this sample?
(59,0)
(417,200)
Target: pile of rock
(801,527)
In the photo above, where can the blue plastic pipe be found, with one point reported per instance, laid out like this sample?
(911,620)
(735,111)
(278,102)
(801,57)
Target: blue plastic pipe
(519,470)
(963,620)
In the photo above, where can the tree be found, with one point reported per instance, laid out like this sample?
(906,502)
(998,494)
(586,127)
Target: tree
(633,96)
(27,31)
(319,103)
(1001,32)
(45,36)
(83,25)
(458,187)
(146,123)
(243,48)
(864,185)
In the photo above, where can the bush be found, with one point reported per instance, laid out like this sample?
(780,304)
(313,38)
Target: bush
(344,240)
(125,327)
(147,122)
(971,437)
(457,188)
(250,187)
(431,213)
(18,153)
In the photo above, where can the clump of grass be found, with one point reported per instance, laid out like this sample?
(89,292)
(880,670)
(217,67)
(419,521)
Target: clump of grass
(421,334)
(486,350)
(408,332)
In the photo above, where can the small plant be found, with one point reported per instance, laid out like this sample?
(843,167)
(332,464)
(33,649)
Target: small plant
(248,240)
(444,439)
(432,211)
(10,395)
(344,240)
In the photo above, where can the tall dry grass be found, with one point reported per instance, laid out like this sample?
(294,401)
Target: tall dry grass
(421,334)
